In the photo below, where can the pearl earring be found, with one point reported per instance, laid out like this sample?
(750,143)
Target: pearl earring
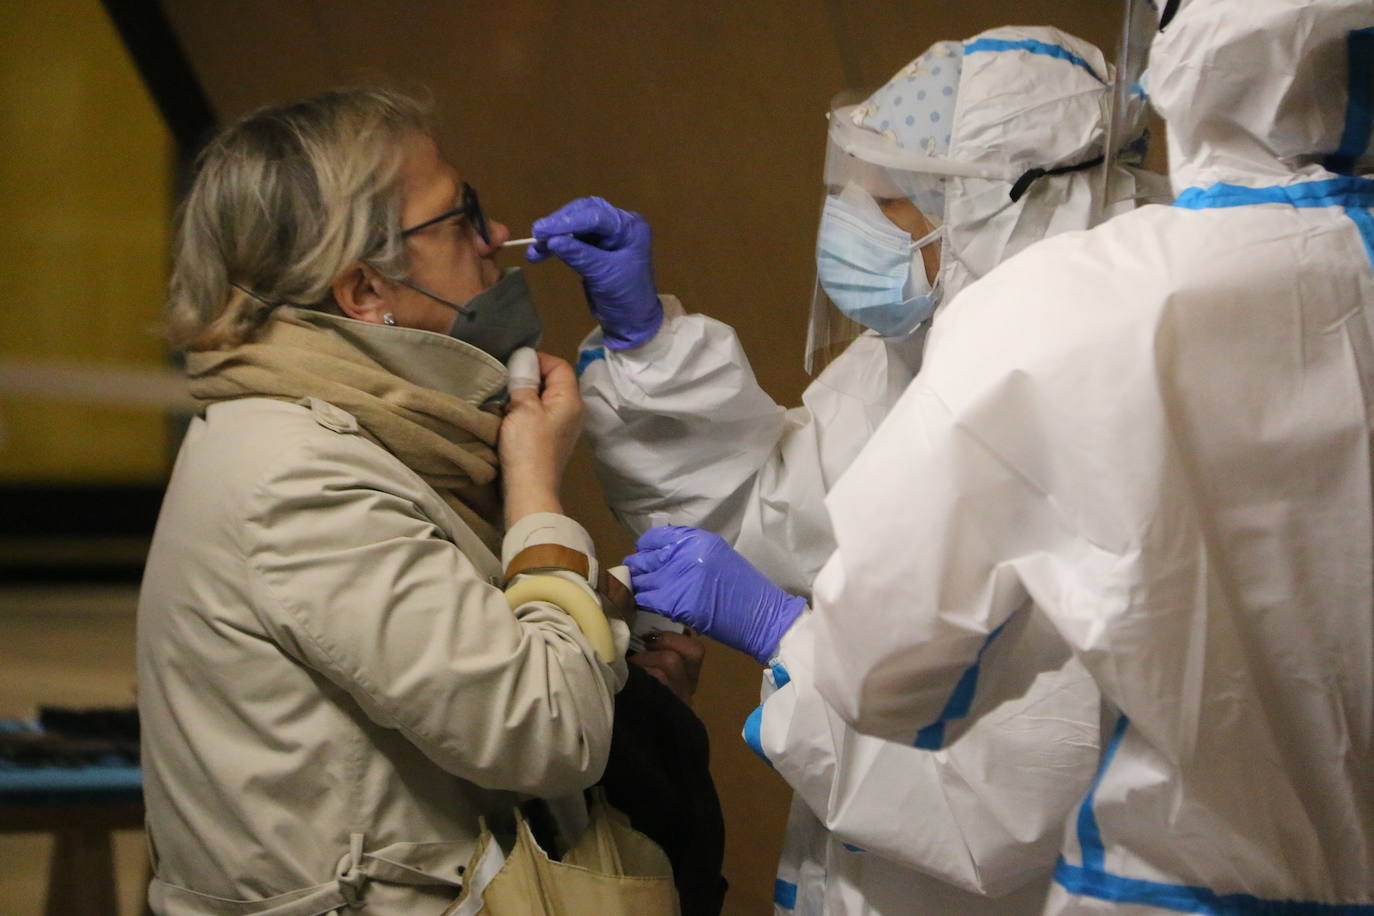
(388,319)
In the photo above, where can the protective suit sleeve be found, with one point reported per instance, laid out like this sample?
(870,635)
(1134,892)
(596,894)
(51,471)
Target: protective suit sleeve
(679,426)
(985,810)
(683,434)
(932,572)
(354,581)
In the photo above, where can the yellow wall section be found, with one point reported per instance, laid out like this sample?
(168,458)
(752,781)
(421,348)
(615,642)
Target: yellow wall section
(85,196)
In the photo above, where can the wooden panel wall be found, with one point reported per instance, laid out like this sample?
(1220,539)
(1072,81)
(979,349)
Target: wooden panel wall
(85,200)
(706,117)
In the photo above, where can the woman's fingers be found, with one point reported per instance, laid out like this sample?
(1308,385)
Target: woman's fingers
(689,649)
(670,669)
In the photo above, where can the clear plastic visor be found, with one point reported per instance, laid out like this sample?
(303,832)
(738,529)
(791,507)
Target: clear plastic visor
(1128,101)
(878,197)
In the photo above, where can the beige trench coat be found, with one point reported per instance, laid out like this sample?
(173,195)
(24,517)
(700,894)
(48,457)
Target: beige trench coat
(332,685)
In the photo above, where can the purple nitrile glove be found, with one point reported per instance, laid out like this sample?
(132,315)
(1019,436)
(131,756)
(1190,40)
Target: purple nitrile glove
(694,577)
(610,249)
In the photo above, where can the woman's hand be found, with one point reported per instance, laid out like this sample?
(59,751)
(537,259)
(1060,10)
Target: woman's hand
(674,660)
(537,438)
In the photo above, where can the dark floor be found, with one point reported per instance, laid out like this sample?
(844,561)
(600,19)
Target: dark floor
(72,647)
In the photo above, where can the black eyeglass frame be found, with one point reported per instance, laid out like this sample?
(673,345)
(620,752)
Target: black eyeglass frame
(471,208)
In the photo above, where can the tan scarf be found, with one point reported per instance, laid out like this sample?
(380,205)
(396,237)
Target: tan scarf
(446,436)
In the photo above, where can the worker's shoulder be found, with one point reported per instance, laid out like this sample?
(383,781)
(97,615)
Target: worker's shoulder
(1117,278)
(1069,308)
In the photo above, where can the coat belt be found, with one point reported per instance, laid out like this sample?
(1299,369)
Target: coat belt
(413,864)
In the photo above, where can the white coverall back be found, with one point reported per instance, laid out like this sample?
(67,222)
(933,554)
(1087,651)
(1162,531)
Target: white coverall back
(1159,432)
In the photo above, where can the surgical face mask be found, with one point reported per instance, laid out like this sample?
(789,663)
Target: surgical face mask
(871,269)
(498,320)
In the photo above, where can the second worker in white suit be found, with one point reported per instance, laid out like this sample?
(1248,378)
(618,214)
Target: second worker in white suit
(1159,432)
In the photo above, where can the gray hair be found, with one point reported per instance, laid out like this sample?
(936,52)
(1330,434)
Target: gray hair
(282,202)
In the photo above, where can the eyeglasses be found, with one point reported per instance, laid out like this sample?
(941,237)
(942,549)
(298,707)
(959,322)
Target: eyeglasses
(470,208)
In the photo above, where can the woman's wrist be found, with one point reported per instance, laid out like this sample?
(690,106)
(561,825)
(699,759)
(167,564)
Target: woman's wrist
(523,501)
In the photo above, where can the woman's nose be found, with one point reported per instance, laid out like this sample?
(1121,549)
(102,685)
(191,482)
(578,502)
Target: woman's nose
(498,232)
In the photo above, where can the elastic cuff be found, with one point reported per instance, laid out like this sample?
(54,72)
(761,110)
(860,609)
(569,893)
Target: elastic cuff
(796,648)
(797,607)
(641,336)
(656,345)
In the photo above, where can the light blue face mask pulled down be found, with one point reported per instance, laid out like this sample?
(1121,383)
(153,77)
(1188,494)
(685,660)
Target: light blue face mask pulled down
(871,269)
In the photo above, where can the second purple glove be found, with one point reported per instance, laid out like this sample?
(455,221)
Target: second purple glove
(611,250)
(695,578)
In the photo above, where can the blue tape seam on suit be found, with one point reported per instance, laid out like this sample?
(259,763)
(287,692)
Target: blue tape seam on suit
(1345,191)
(1185,898)
(1359,106)
(932,737)
(587,357)
(1089,836)
(1093,880)
(1354,195)
(1034,47)
(753,726)
(785,894)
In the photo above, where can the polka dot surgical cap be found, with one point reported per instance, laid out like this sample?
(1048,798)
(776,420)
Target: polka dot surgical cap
(915,111)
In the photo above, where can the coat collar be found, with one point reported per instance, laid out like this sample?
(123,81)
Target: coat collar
(424,358)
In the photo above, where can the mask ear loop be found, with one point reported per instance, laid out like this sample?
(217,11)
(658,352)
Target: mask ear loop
(918,263)
(462,309)
(268,306)
(926,239)
(918,260)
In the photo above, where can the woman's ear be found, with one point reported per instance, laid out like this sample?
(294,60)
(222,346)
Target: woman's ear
(362,293)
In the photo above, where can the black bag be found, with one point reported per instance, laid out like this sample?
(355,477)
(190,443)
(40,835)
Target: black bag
(659,775)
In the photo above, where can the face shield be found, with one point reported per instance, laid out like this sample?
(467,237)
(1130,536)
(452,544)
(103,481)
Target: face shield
(922,202)
(1129,102)
(878,245)
(878,250)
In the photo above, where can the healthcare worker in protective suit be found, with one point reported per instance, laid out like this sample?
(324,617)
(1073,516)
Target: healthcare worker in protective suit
(1158,434)
(920,182)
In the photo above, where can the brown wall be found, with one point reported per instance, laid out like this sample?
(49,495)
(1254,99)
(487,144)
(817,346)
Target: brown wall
(706,118)
(85,191)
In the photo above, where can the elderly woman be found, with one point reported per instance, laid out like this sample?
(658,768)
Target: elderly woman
(334,688)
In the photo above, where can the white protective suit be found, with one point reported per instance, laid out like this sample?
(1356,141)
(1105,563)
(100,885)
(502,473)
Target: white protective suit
(1159,432)
(684,435)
